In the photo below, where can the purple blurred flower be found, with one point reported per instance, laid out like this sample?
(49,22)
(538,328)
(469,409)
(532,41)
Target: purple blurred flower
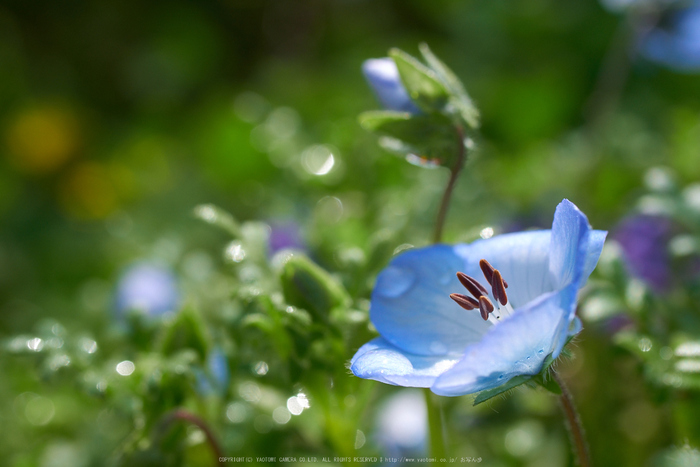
(383,76)
(285,234)
(149,287)
(677,45)
(644,240)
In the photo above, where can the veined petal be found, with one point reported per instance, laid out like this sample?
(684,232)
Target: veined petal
(411,306)
(522,258)
(517,346)
(381,361)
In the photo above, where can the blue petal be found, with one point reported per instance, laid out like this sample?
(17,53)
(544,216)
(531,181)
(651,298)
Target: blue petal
(570,235)
(381,361)
(522,258)
(596,239)
(411,306)
(383,76)
(517,346)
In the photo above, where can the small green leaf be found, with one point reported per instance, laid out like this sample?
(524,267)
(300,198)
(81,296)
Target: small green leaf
(550,384)
(483,396)
(307,285)
(459,98)
(214,215)
(423,85)
(432,137)
(186,331)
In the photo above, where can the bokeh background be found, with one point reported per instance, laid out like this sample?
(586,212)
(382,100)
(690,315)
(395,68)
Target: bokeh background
(117,119)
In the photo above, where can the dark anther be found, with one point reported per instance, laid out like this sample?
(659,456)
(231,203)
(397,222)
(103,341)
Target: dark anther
(472,285)
(487,269)
(465,302)
(499,289)
(485,307)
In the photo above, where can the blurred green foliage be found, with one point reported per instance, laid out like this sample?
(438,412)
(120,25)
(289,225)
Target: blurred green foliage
(117,119)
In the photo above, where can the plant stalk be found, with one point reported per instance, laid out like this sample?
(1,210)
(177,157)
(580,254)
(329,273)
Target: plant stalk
(437,441)
(184,415)
(576,434)
(447,195)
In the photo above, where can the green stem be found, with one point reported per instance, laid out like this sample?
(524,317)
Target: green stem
(576,433)
(435,423)
(447,195)
(184,415)
(437,443)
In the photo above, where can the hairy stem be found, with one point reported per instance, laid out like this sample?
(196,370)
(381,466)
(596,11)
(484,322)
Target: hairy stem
(184,415)
(447,195)
(437,442)
(576,433)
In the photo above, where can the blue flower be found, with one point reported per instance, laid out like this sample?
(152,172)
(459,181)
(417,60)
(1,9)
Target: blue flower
(383,76)
(216,377)
(428,341)
(678,45)
(148,287)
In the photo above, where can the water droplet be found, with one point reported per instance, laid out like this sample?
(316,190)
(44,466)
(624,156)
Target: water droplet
(645,344)
(688,349)
(206,212)
(318,160)
(540,352)
(261,368)
(39,411)
(688,366)
(88,345)
(35,344)
(394,282)
(125,368)
(234,252)
(250,392)
(281,415)
(486,232)
(236,412)
(360,439)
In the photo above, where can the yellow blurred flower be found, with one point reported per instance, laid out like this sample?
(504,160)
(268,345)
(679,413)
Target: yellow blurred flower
(41,139)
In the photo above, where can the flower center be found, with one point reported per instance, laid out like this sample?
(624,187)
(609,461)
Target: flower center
(493,311)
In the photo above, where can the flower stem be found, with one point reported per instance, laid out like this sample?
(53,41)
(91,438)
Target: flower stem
(437,442)
(447,195)
(184,415)
(576,433)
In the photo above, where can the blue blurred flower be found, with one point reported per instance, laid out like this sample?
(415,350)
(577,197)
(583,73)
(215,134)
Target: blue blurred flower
(216,377)
(148,287)
(644,240)
(677,45)
(428,341)
(402,424)
(383,76)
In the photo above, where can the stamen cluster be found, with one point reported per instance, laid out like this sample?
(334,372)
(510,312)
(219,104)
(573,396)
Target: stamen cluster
(480,299)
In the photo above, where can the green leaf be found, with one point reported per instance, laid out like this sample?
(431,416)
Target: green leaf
(432,137)
(214,215)
(423,85)
(186,331)
(459,98)
(483,396)
(307,285)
